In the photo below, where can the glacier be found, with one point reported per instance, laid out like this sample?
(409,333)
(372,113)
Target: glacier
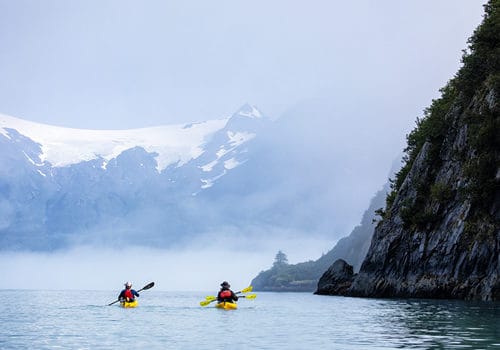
(237,177)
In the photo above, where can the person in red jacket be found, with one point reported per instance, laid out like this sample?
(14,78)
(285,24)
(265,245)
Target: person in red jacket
(226,294)
(128,294)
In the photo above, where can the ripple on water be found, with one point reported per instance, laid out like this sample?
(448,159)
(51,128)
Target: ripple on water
(172,320)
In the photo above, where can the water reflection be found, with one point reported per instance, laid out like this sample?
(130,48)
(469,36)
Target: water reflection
(441,324)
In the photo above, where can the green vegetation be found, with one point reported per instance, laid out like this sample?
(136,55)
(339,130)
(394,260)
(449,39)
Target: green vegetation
(441,192)
(469,99)
(481,169)
(285,277)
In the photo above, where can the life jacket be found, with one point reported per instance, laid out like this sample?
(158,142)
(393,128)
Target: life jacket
(225,294)
(128,294)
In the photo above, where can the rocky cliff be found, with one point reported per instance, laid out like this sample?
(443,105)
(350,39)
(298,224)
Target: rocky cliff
(440,233)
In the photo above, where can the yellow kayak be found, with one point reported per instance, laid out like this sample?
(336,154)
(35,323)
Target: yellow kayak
(128,304)
(226,305)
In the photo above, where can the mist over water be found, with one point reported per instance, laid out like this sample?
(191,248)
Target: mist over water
(201,266)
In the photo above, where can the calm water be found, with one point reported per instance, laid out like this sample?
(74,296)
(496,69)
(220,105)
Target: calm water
(174,320)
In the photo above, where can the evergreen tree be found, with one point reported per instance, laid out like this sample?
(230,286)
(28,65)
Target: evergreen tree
(280,259)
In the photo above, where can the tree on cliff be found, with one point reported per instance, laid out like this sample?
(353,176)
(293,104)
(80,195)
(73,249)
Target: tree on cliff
(280,260)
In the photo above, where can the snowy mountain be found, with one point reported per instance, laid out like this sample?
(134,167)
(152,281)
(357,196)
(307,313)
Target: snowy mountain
(61,186)
(64,146)
(244,178)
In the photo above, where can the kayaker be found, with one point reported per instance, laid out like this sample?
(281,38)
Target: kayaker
(128,294)
(226,294)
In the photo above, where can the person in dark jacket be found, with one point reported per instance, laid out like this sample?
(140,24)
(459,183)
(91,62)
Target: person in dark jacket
(226,294)
(128,294)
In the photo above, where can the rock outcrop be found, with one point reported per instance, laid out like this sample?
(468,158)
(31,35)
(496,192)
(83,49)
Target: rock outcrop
(336,280)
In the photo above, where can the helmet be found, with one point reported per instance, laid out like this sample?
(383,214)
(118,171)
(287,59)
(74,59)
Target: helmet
(128,284)
(225,284)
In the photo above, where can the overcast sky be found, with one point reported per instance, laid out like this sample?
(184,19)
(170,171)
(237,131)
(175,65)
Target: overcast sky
(116,64)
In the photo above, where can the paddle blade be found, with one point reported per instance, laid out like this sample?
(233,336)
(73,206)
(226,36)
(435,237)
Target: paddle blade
(246,290)
(205,302)
(249,296)
(148,286)
(210,297)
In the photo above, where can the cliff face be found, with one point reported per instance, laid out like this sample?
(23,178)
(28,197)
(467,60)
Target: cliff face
(455,257)
(440,233)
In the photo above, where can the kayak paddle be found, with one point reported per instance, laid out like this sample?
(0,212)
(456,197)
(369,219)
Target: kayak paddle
(211,298)
(206,302)
(249,296)
(246,290)
(147,286)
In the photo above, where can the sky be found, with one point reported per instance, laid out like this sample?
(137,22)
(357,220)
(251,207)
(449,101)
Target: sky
(120,64)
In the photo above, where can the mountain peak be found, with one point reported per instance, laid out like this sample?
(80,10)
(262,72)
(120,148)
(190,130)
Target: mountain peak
(249,111)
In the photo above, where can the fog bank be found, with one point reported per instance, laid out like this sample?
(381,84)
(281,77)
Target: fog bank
(201,267)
